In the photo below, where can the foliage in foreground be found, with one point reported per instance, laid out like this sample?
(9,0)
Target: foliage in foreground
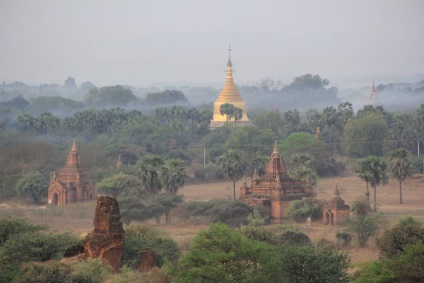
(404,268)
(221,254)
(139,238)
(312,264)
(254,254)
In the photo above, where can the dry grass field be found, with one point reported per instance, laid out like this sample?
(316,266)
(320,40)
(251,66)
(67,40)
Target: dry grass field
(78,218)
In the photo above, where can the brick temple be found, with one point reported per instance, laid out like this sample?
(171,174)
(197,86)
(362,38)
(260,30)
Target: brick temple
(275,189)
(71,183)
(335,212)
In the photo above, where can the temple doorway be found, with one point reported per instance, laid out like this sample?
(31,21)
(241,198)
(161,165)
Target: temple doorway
(55,199)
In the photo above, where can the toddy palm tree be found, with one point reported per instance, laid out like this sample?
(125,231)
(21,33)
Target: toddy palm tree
(400,167)
(233,166)
(372,170)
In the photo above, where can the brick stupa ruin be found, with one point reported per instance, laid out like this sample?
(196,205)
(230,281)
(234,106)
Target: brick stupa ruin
(275,189)
(71,184)
(107,240)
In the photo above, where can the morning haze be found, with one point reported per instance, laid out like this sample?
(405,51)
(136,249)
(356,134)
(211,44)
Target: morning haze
(144,43)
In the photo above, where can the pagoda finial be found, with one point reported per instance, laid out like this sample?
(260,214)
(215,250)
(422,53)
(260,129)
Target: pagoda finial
(74,145)
(373,87)
(119,162)
(336,192)
(275,147)
(229,64)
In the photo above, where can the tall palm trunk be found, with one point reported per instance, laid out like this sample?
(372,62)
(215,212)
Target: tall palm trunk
(368,193)
(400,191)
(234,190)
(375,198)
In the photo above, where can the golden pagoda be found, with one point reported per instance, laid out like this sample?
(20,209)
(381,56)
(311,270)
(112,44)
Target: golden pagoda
(229,94)
(372,97)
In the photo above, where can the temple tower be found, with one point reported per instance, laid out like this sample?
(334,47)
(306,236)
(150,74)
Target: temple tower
(70,184)
(372,96)
(275,189)
(229,94)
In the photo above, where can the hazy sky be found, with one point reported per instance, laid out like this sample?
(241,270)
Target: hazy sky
(175,42)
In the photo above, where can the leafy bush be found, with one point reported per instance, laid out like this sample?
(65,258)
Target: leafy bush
(394,241)
(218,210)
(406,267)
(294,238)
(255,218)
(44,272)
(207,173)
(139,238)
(36,246)
(311,264)
(11,226)
(344,237)
(127,274)
(361,206)
(89,271)
(299,210)
(363,227)
(259,234)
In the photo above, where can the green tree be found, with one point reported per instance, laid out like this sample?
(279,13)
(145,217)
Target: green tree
(120,184)
(92,270)
(329,118)
(400,167)
(173,175)
(301,168)
(269,120)
(221,254)
(363,227)
(365,136)
(44,272)
(227,109)
(12,226)
(36,246)
(394,241)
(237,114)
(372,170)
(148,170)
(301,264)
(299,210)
(233,166)
(33,185)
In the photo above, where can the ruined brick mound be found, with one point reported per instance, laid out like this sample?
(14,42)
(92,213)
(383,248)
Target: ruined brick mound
(147,260)
(107,240)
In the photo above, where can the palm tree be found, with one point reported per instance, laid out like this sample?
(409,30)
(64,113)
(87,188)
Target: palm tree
(148,171)
(173,175)
(400,167)
(233,166)
(238,114)
(372,170)
(227,109)
(329,118)
(302,169)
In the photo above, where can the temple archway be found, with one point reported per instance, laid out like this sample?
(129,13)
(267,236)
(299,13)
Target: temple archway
(55,199)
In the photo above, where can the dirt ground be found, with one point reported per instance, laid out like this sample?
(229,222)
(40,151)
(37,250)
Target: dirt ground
(78,218)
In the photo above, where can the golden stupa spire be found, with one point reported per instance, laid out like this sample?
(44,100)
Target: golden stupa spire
(229,94)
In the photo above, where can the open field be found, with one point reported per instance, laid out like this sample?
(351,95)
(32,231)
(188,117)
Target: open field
(78,218)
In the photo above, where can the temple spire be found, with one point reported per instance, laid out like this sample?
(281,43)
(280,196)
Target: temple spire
(229,64)
(275,147)
(74,145)
(336,192)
